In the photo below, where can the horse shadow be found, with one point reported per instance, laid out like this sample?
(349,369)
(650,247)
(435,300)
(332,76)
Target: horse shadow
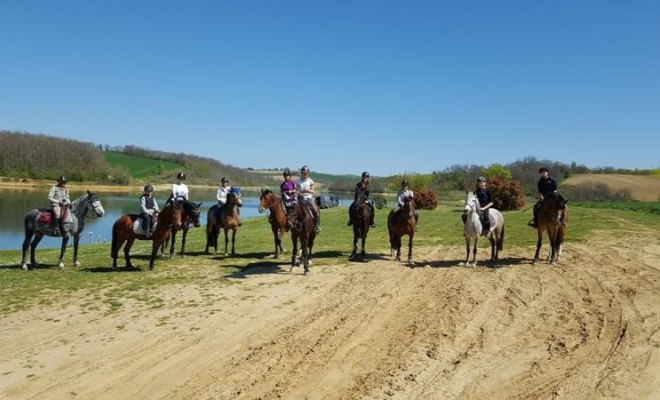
(105,270)
(20,266)
(257,254)
(497,264)
(258,268)
(369,257)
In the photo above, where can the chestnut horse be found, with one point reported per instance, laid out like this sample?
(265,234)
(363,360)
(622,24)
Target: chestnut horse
(122,231)
(402,222)
(227,220)
(277,218)
(360,215)
(302,231)
(548,221)
(190,214)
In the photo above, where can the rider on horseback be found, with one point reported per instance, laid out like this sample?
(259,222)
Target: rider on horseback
(180,189)
(148,210)
(363,187)
(547,187)
(485,198)
(405,192)
(306,188)
(288,189)
(59,198)
(223,191)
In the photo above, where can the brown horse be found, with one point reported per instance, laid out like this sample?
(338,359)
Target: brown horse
(360,215)
(402,222)
(277,218)
(122,231)
(190,215)
(302,231)
(227,220)
(548,221)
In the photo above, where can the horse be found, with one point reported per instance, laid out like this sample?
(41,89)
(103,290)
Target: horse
(473,229)
(402,222)
(548,221)
(303,232)
(228,220)
(38,224)
(277,218)
(122,231)
(359,214)
(190,214)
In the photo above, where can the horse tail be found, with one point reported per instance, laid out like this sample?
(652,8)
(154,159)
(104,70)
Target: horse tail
(500,240)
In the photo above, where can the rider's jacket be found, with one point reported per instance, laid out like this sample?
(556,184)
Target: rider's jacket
(57,195)
(547,186)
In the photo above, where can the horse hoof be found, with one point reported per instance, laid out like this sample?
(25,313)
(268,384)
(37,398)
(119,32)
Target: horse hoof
(61,265)
(24,266)
(76,264)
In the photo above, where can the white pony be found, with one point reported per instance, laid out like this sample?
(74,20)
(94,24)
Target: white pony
(473,229)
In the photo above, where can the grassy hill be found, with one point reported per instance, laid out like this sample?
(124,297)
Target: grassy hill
(642,187)
(141,167)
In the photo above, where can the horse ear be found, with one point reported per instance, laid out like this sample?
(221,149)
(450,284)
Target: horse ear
(199,205)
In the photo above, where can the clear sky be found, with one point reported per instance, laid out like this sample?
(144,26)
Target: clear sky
(344,86)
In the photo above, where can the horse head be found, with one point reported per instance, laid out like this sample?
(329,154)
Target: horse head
(178,209)
(93,208)
(409,206)
(266,200)
(192,211)
(471,202)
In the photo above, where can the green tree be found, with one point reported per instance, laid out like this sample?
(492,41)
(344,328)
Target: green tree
(497,171)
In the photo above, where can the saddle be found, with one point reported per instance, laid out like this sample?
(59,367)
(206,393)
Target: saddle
(137,226)
(47,217)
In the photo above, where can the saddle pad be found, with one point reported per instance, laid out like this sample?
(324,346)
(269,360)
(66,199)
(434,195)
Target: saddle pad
(45,217)
(137,227)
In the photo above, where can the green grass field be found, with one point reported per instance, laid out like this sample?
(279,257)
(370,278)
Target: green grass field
(140,167)
(47,284)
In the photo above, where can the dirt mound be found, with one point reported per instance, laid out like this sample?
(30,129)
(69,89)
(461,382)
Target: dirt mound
(589,328)
(642,187)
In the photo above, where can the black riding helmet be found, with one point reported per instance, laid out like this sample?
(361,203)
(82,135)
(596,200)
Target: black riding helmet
(365,173)
(304,168)
(148,188)
(62,179)
(286,172)
(224,180)
(181,176)
(481,179)
(405,183)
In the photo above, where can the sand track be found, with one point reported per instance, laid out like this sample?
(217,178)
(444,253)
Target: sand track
(589,328)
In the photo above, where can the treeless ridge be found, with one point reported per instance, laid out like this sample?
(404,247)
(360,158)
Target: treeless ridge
(642,187)
(589,328)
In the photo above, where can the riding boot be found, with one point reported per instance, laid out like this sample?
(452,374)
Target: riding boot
(373,214)
(534,223)
(416,220)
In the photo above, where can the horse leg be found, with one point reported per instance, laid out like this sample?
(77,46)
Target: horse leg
(305,259)
(467,250)
(226,242)
(154,253)
(491,239)
(233,242)
(363,254)
(410,249)
(76,242)
(26,244)
(398,248)
(183,241)
(355,239)
(278,244)
(172,241)
(37,238)
(474,251)
(538,245)
(294,252)
(127,252)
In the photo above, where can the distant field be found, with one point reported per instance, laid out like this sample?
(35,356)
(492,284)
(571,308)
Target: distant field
(642,187)
(140,167)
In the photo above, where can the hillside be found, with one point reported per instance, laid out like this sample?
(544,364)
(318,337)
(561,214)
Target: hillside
(642,187)
(140,167)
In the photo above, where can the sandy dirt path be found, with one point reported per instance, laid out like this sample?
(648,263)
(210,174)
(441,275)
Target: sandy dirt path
(589,328)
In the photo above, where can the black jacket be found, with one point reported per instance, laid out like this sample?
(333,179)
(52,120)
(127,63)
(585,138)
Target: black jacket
(547,186)
(484,196)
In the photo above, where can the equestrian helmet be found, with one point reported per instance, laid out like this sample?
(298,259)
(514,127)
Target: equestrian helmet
(286,172)
(304,168)
(365,173)
(148,188)
(62,179)
(181,175)
(543,169)
(224,180)
(405,183)
(481,179)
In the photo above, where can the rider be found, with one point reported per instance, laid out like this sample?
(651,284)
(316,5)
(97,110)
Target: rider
(405,192)
(485,198)
(148,210)
(547,186)
(223,191)
(59,198)
(306,187)
(363,187)
(288,189)
(180,189)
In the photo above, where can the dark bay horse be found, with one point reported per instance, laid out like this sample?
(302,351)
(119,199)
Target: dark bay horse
(548,221)
(359,214)
(277,218)
(122,231)
(228,219)
(190,215)
(302,232)
(86,206)
(399,223)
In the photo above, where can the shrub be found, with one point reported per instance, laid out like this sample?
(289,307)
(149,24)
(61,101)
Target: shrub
(426,199)
(380,201)
(507,195)
(595,191)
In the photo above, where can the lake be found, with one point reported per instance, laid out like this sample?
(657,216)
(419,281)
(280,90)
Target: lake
(14,204)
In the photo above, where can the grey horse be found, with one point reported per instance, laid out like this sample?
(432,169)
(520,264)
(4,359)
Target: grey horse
(86,206)
(473,229)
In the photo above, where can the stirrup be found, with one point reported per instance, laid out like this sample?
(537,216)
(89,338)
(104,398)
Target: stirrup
(149,234)
(56,232)
(373,224)
(532,224)
(317,228)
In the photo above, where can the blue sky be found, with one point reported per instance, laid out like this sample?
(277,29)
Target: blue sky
(344,86)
